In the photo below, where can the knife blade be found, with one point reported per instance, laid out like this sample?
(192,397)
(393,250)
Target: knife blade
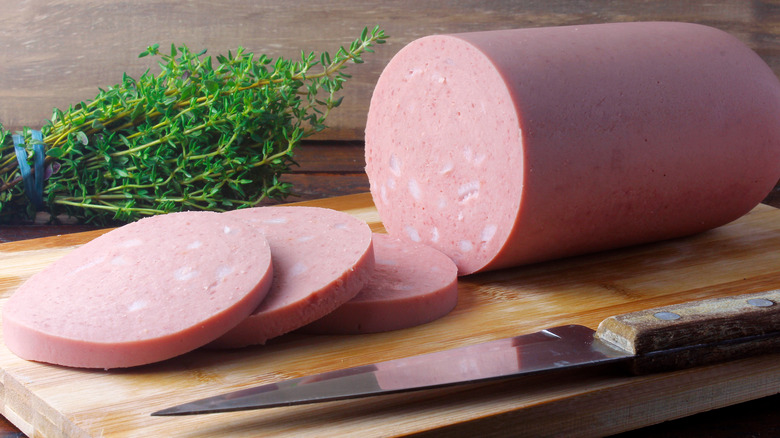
(655,340)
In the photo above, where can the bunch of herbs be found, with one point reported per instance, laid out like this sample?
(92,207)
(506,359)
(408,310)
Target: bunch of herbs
(194,137)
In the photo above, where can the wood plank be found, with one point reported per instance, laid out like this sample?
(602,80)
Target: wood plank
(741,257)
(330,157)
(328,169)
(307,186)
(56,53)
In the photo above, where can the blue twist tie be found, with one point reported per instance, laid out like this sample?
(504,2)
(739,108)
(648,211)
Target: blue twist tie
(33,183)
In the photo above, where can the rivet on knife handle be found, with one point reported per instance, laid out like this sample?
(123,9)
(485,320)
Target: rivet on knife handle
(697,333)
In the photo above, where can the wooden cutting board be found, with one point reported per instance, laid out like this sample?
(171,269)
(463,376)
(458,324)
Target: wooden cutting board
(741,257)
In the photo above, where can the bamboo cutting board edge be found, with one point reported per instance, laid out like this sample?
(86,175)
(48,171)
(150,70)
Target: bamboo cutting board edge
(40,399)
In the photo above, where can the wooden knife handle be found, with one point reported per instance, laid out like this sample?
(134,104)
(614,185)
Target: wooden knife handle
(697,333)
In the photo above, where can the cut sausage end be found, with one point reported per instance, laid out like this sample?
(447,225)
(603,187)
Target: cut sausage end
(442,112)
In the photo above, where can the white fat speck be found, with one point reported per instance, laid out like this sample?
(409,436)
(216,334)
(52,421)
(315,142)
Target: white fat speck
(468,191)
(488,232)
(137,305)
(223,271)
(298,269)
(276,220)
(340,226)
(435,235)
(479,158)
(131,243)
(447,168)
(91,263)
(460,216)
(468,154)
(438,78)
(386,262)
(383,194)
(442,203)
(185,273)
(391,183)
(119,261)
(226,230)
(413,234)
(395,165)
(465,245)
(305,238)
(195,244)
(414,189)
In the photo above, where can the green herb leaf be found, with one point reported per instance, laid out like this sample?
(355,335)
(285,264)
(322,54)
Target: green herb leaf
(55,152)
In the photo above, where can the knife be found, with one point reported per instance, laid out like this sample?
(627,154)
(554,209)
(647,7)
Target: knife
(662,339)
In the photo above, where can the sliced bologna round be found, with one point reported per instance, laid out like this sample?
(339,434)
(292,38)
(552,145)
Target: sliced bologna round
(509,147)
(322,258)
(141,293)
(412,284)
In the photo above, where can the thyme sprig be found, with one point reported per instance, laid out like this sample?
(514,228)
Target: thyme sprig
(195,136)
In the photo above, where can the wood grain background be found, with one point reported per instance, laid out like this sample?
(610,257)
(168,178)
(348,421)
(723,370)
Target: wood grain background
(55,53)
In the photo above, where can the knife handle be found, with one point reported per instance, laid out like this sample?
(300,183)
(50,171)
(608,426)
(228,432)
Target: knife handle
(696,333)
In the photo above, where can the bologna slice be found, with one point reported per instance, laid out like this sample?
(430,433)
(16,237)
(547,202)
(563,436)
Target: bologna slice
(141,293)
(509,147)
(322,258)
(412,284)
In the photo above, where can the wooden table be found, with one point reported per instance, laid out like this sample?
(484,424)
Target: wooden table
(336,168)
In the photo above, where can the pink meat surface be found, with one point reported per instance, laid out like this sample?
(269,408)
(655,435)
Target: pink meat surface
(509,147)
(141,293)
(412,284)
(322,258)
